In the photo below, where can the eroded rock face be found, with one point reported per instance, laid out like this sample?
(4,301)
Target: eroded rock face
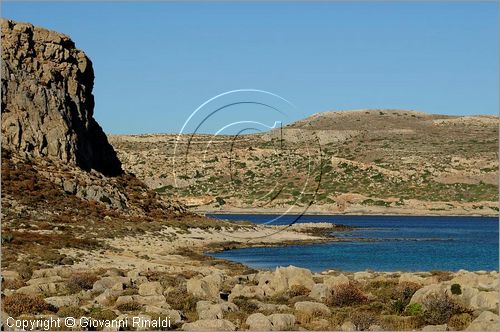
(47,101)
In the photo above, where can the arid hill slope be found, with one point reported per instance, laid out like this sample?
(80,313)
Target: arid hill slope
(372,161)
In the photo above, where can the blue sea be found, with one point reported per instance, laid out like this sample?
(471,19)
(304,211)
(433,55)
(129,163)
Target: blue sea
(390,243)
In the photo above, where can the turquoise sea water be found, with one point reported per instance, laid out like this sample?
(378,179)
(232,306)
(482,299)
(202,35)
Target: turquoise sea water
(392,243)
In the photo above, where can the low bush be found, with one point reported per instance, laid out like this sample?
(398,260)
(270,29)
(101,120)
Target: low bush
(18,304)
(345,295)
(13,284)
(460,321)
(298,290)
(80,281)
(70,311)
(102,314)
(402,294)
(129,306)
(414,309)
(439,308)
(362,320)
(180,299)
(245,304)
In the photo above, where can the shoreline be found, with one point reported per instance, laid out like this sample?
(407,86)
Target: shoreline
(168,273)
(333,214)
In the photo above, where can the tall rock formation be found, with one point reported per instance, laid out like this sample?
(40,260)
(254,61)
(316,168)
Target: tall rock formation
(47,101)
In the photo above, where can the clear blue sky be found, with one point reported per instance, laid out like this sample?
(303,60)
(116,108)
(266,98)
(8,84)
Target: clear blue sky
(157,62)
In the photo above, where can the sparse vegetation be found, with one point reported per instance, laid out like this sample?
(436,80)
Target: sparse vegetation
(80,281)
(18,304)
(345,295)
(439,308)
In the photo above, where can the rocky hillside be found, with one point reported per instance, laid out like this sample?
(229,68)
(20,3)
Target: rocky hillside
(47,101)
(363,161)
(62,183)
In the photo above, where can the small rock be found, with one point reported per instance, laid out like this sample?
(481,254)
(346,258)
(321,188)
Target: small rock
(348,326)
(258,322)
(62,301)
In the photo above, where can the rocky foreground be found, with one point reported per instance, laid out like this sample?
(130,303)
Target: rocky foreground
(288,298)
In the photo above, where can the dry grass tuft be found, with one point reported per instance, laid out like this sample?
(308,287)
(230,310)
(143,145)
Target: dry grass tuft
(346,295)
(81,281)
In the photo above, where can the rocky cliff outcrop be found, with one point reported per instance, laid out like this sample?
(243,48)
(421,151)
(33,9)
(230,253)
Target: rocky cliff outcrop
(47,101)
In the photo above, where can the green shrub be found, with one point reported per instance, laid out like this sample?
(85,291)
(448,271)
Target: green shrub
(456,289)
(398,306)
(402,294)
(414,309)
(220,200)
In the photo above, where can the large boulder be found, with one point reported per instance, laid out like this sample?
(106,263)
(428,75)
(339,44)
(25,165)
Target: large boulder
(150,288)
(486,321)
(247,291)
(413,278)
(207,287)
(426,291)
(111,283)
(313,309)
(282,322)
(259,322)
(284,278)
(485,301)
(319,292)
(332,281)
(485,282)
